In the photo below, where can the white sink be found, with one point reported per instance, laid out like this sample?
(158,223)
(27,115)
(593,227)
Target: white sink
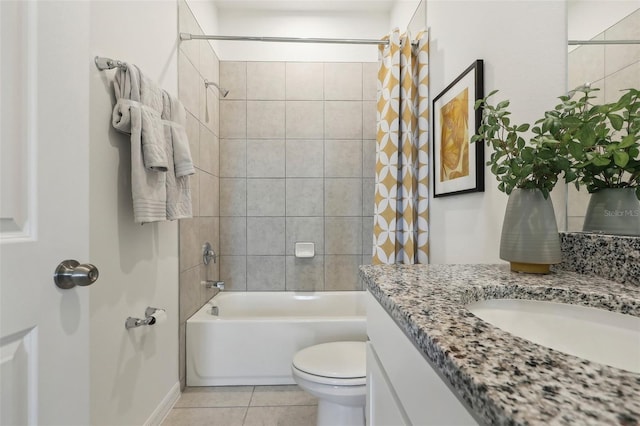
(602,336)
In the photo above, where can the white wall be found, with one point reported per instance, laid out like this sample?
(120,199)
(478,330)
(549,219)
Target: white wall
(372,23)
(132,372)
(588,18)
(523,44)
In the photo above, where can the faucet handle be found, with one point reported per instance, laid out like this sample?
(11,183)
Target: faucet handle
(208,253)
(213,284)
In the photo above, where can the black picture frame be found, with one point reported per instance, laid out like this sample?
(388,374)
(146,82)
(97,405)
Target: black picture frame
(458,165)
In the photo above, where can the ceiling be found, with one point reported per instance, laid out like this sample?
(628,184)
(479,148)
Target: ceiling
(306,5)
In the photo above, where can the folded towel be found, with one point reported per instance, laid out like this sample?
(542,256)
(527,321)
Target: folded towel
(138,112)
(180,164)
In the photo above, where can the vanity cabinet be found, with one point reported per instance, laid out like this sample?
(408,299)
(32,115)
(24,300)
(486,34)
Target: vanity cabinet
(402,387)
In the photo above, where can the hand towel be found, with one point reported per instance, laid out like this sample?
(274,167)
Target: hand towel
(179,156)
(138,112)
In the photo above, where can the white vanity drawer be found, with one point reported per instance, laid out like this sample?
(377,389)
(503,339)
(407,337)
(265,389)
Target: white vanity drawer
(423,395)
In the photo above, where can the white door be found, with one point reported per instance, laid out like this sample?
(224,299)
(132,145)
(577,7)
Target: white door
(44,211)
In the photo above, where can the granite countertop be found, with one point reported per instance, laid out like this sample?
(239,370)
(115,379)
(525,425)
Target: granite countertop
(503,378)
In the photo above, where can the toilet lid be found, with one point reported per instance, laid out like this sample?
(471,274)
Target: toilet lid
(340,360)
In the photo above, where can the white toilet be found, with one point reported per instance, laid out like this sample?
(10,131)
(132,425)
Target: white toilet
(336,374)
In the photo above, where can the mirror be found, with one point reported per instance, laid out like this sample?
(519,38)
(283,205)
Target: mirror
(610,68)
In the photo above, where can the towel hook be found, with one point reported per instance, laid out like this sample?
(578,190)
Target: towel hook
(108,63)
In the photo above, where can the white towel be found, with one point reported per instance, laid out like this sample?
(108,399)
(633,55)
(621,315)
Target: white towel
(138,112)
(179,156)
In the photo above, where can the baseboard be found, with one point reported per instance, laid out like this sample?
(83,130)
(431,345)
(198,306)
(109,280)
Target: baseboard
(156,418)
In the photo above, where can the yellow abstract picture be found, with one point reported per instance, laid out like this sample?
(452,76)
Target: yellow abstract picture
(458,164)
(454,137)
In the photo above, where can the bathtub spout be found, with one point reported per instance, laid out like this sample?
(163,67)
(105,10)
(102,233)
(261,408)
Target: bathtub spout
(213,284)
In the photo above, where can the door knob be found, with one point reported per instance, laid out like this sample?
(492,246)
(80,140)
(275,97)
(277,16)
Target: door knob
(71,273)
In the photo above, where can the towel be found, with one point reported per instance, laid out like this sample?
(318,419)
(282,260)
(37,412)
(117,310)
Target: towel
(138,112)
(178,192)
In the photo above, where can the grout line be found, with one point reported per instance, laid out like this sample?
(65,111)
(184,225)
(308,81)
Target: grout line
(246,412)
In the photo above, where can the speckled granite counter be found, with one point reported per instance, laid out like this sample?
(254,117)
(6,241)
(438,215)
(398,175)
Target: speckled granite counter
(613,257)
(503,378)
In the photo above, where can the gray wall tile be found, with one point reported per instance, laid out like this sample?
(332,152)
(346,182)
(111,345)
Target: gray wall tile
(265,158)
(305,119)
(233,119)
(369,119)
(192,127)
(304,81)
(265,80)
(367,236)
(188,85)
(233,271)
(305,274)
(189,292)
(266,236)
(369,158)
(369,81)
(233,197)
(265,197)
(368,196)
(623,79)
(233,77)
(233,235)
(209,195)
(343,120)
(305,197)
(341,273)
(187,23)
(343,197)
(209,147)
(621,56)
(343,158)
(265,273)
(304,158)
(233,158)
(305,229)
(343,235)
(343,81)
(190,246)
(265,119)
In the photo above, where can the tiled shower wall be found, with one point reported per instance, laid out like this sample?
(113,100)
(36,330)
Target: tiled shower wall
(196,62)
(610,68)
(297,159)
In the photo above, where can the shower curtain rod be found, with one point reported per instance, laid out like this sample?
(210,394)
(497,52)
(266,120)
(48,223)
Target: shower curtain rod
(579,42)
(187,36)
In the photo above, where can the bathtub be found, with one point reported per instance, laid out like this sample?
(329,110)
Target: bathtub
(253,338)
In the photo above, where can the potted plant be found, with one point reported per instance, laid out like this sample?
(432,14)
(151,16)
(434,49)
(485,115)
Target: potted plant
(603,144)
(527,172)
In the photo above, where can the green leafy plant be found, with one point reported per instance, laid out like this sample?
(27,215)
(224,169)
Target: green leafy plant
(514,162)
(603,141)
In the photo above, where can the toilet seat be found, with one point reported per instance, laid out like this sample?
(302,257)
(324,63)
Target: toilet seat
(335,363)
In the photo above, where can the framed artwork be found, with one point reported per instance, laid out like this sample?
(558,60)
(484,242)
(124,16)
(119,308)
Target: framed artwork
(458,164)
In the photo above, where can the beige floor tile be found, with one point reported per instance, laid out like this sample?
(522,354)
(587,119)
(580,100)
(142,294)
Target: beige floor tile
(281,395)
(221,396)
(205,416)
(303,415)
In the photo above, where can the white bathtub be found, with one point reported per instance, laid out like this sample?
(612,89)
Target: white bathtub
(255,335)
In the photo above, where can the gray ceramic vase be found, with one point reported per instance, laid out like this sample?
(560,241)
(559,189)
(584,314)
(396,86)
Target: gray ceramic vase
(530,240)
(613,211)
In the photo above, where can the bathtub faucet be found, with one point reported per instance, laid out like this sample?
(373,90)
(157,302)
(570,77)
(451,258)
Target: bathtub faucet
(213,284)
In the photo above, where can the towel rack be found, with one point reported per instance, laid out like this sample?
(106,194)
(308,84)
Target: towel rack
(108,63)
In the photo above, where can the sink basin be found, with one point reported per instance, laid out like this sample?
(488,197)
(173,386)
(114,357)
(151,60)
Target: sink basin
(598,335)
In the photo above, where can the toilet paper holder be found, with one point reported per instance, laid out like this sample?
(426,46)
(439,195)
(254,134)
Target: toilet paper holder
(150,317)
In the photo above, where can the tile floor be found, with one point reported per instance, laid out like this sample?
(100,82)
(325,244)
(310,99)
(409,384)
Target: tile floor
(286,405)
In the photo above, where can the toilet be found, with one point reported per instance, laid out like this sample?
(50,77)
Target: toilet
(336,374)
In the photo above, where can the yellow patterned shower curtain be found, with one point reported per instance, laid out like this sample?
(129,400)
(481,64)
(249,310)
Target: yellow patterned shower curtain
(400,229)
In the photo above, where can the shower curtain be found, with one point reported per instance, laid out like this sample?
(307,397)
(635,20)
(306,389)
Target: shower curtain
(400,230)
